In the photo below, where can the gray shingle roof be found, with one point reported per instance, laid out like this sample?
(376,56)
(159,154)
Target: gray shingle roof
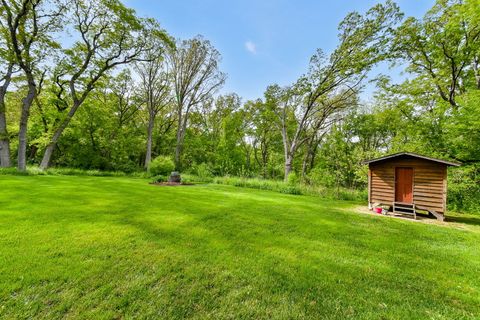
(414,155)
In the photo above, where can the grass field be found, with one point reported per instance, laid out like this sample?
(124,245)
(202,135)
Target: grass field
(117,247)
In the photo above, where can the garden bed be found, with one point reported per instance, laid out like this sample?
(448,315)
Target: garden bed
(172,184)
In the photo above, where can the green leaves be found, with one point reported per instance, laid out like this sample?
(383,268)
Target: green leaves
(364,39)
(442,46)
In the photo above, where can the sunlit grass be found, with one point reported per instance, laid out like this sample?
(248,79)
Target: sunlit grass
(117,247)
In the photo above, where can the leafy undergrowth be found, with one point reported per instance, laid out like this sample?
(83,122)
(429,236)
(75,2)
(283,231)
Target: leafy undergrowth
(116,247)
(36,171)
(294,188)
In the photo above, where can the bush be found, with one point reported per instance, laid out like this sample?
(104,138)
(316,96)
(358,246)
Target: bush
(161,165)
(464,189)
(189,179)
(321,177)
(13,171)
(203,172)
(290,189)
(159,178)
(292,179)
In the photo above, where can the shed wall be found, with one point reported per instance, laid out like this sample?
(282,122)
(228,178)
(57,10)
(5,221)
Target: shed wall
(429,182)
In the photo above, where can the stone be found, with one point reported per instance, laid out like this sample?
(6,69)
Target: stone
(175,177)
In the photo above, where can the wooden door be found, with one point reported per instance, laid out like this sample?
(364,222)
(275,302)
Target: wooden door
(404,185)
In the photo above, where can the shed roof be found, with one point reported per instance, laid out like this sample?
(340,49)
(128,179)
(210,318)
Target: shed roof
(413,155)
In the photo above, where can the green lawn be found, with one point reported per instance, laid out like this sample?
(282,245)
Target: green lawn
(93,247)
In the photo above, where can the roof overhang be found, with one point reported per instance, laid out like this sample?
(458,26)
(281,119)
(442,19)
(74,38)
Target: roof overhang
(414,155)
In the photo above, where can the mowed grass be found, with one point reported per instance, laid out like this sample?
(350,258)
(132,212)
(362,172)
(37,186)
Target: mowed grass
(95,247)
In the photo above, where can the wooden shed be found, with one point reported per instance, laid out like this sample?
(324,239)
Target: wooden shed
(408,182)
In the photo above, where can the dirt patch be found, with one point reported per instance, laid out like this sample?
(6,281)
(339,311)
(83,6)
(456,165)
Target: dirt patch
(171,184)
(451,221)
(420,218)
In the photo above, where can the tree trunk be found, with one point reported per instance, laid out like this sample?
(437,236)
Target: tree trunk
(178,150)
(476,70)
(309,159)
(23,127)
(148,154)
(288,166)
(4,137)
(305,164)
(33,152)
(47,156)
(313,155)
(247,158)
(264,160)
(182,127)
(308,153)
(4,140)
(289,149)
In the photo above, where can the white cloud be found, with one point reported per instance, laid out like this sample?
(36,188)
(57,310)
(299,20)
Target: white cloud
(251,47)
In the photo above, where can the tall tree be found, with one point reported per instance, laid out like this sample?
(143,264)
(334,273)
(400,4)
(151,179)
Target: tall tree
(126,103)
(109,35)
(6,72)
(261,132)
(29,24)
(443,48)
(330,113)
(196,77)
(363,43)
(5,80)
(156,91)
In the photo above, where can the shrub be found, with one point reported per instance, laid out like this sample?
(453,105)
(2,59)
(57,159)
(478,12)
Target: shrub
(159,178)
(193,179)
(161,165)
(292,179)
(321,177)
(203,172)
(13,171)
(464,189)
(290,189)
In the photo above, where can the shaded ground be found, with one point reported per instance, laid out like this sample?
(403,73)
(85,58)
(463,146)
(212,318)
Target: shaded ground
(86,247)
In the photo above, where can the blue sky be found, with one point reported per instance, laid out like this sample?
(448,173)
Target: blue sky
(265,41)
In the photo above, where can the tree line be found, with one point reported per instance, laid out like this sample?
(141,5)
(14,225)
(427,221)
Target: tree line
(90,84)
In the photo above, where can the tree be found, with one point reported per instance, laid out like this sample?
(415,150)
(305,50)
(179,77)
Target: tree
(196,77)
(442,48)
(156,91)
(123,90)
(5,80)
(7,69)
(29,24)
(109,35)
(225,125)
(261,132)
(331,112)
(363,43)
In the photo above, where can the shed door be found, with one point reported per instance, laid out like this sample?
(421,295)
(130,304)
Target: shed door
(404,185)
